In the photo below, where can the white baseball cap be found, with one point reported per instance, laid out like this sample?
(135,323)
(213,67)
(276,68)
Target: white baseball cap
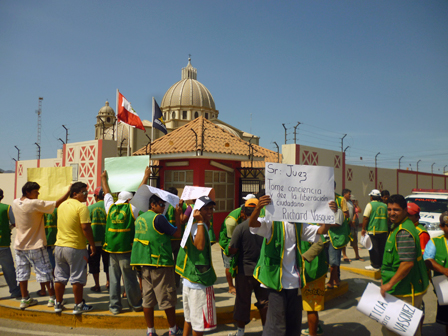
(375,192)
(123,197)
(249,196)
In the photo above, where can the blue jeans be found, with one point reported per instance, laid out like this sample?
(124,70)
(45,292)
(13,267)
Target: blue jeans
(9,271)
(120,264)
(333,255)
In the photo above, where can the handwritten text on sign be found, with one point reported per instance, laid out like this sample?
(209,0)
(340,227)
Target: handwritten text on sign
(398,316)
(299,193)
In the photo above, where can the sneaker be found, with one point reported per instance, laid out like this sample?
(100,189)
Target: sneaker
(371,268)
(58,306)
(151,334)
(319,331)
(179,331)
(137,309)
(81,308)
(51,302)
(27,303)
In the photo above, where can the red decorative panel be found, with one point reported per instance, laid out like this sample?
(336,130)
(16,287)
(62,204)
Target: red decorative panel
(86,170)
(20,170)
(57,164)
(380,186)
(371,176)
(87,153)
(310,158)
(349,174)
(91,186)
(90,200)
(337,161)
(71,155)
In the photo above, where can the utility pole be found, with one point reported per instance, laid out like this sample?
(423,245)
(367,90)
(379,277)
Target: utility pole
(285,132)
(376,171)
(66,134)
(295,131)
(278,155)
(38,150)
(39,125)
(342,142)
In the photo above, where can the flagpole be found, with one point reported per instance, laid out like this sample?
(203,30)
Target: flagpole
(116,119)
(152,135)
(129,139)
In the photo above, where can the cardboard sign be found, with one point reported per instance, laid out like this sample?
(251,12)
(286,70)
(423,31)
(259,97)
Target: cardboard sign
(54,181)
(144,193)
(125,173)
(299,193)
(440,283)
(396,315)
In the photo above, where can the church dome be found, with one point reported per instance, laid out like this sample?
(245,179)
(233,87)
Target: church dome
(188,92)
(106,111)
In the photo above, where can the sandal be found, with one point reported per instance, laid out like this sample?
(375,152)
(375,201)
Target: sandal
(329,286)
(360,259)
(39,293)
(232,291)
(95,289)
(346,259)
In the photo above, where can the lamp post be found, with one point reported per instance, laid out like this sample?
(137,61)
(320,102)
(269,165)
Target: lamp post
(417,171)
(376,171)
(399,161)
(432,175)
(444,168)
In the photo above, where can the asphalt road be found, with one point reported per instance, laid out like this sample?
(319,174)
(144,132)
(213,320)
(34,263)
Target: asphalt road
(340,318)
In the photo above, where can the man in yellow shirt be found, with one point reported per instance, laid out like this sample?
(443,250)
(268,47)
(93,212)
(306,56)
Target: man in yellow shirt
(70,251)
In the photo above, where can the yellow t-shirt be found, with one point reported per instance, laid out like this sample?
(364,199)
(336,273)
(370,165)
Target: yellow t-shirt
(71,214)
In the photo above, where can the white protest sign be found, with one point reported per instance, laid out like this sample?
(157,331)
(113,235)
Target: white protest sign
(396,315)
(191,192)
(440,283)
(299,193)
(144,193)
(197,205)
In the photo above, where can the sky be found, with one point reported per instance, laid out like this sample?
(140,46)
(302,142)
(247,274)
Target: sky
(376,71)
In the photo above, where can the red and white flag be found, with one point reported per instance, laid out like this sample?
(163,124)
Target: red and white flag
(127,114)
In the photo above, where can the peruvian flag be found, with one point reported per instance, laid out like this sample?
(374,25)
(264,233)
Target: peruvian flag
(127,114)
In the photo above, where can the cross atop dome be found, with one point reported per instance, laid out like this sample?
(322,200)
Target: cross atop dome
(189,72)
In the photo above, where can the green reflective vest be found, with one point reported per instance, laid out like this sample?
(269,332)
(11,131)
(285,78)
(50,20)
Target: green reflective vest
(318,267)
(441,257)
(194,265)
(224,240)
(5,231)
(51,227)
(421,229)
(120,229)
(98,221)
(417,281)
(151,247)
(378,218)
(269,267)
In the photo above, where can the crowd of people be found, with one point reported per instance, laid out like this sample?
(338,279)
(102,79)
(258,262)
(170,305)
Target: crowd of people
(285,264)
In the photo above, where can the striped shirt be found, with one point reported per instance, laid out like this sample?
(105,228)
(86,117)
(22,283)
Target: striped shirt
(405,246)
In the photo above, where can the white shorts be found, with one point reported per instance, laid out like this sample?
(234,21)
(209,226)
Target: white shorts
(38,258)
(199,308)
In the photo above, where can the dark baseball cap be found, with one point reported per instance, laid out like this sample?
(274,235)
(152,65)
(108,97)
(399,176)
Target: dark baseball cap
(207,200)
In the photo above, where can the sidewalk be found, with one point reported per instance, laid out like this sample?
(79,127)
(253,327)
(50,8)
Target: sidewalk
(100,317)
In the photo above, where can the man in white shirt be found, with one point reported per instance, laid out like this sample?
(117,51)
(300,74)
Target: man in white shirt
(279,267)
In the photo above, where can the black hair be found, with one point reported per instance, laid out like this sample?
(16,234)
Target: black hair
(376,198)
(155,199)
(344,191)
(398,199)
(173,191)
(385,193)
(100,195)
(1,194)
(29,187)
(77,187)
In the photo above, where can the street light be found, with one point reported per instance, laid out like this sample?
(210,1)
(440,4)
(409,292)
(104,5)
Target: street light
(432,167)
(444,169)
(399,161)
(417,164)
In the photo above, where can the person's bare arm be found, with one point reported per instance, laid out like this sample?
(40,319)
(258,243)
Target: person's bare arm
(146,176)
(177,217)
(431,264)
(365,221)
(87,230)
(262,202)
(402,271)
(104,183)
(63,198)
(199,239)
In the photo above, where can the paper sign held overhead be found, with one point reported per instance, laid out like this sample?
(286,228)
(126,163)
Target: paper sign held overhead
(54,181)
(299,193)
(125,173)
(144,193)
(191,193)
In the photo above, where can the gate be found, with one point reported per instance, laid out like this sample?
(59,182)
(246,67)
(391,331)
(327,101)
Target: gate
(251,182)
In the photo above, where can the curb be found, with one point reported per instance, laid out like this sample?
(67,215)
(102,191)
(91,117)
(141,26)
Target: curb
(371,274)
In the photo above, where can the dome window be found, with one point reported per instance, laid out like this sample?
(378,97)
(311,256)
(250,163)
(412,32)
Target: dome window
(196,115)
(108,119)
(173,115)
(206,116)
(184,114)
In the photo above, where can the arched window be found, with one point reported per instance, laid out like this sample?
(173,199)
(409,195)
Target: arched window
(184,114)
(206,116)
(173,115)
(108,119)
(196,115)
